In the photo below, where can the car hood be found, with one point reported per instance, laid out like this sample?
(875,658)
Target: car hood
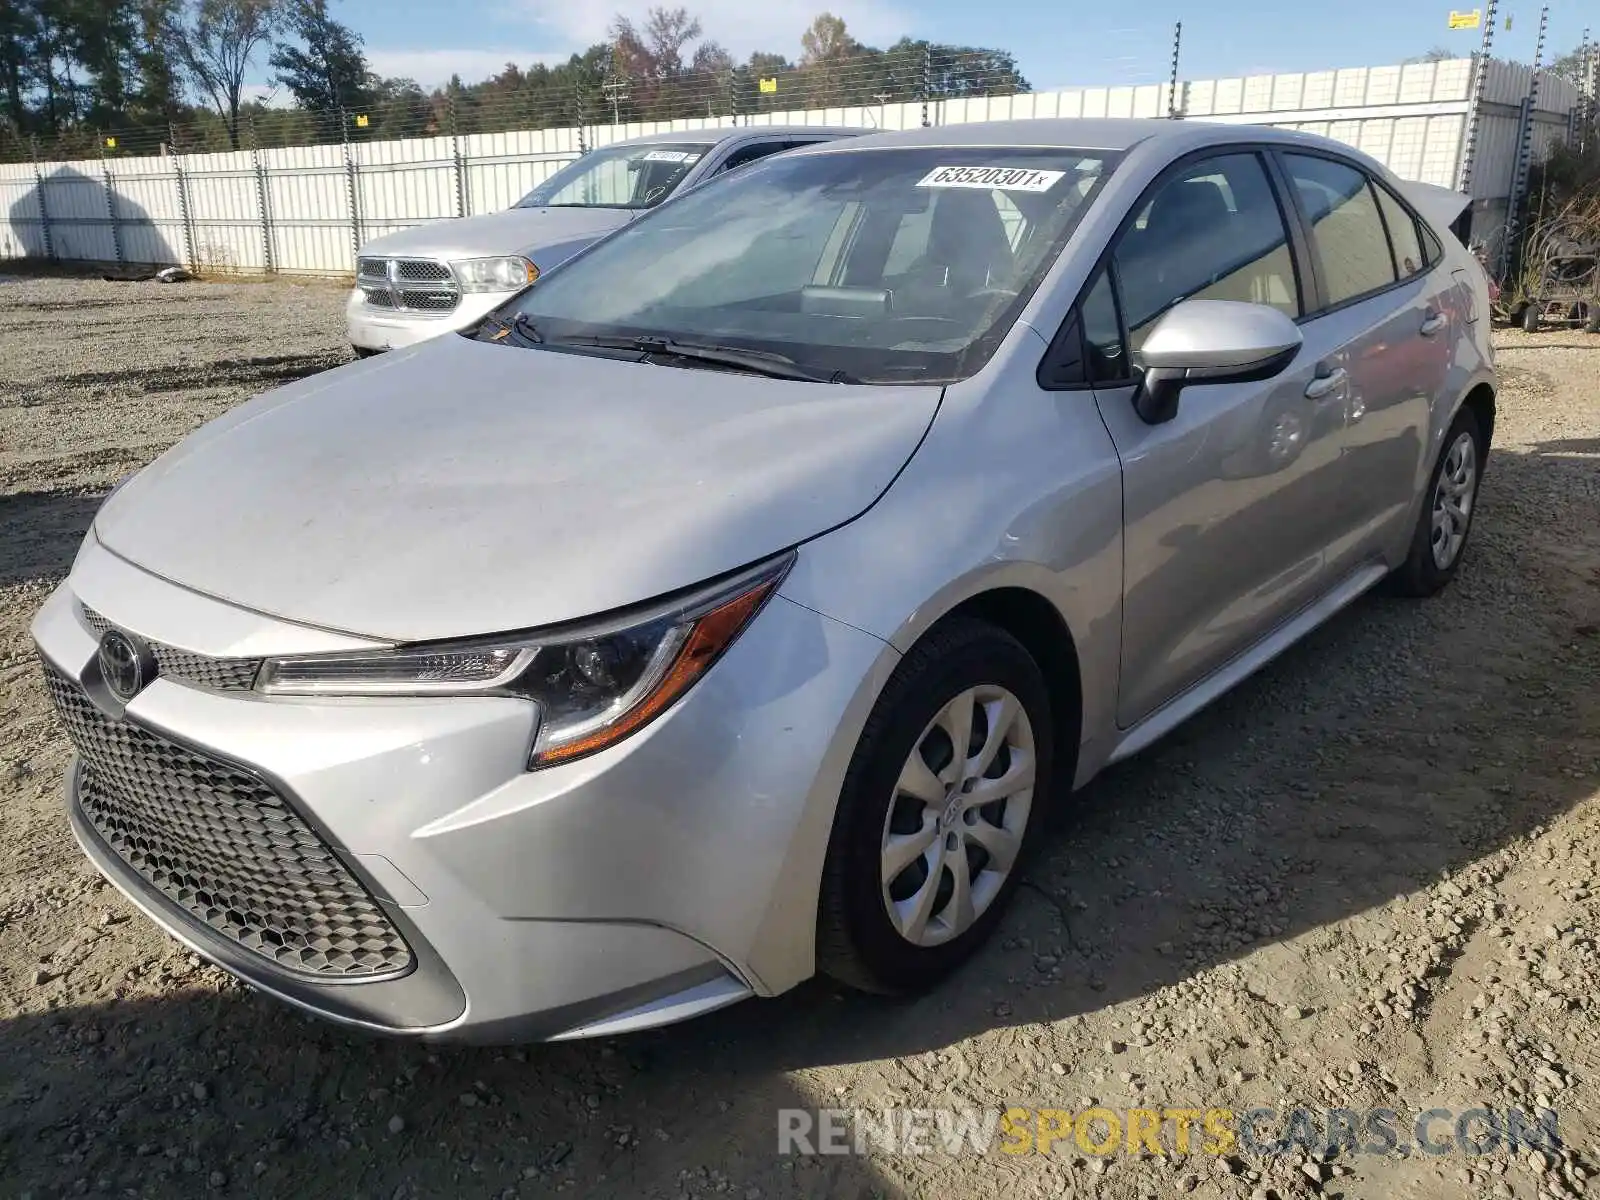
(461,488)
(515,231)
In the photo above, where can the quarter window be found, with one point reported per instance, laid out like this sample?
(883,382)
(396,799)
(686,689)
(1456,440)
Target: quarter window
(1408,253)
(1213,232)
(1102,333)
(1347,232)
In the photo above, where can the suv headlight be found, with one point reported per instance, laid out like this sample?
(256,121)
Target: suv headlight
(594,684)
(494,274)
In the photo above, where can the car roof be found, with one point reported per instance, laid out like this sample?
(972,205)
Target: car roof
(723,133)
(1110,133)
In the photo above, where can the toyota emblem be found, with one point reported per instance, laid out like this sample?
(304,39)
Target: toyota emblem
(125,664)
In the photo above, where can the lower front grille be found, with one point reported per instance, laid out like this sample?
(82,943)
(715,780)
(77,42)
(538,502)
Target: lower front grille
(225,848)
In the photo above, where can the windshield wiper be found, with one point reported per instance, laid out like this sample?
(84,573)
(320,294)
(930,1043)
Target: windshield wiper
(757,362)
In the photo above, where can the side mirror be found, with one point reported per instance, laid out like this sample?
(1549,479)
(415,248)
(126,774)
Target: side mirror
(1210,341)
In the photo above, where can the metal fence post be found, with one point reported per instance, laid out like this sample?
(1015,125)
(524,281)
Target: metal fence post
(455,157)
(185,213)
(111,202)
(351,187)
(1519,177)
(1480,72)
(262,205)
(927,82)
(1173,112)
(38,187)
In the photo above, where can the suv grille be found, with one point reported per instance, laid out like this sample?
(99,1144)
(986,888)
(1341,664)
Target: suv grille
(408,284)
(225,848)
(185,666)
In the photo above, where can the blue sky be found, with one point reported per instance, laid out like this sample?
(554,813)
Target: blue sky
(1059,43)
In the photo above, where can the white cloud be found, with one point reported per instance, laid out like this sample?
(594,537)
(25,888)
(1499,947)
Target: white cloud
(739,25)
(433,68)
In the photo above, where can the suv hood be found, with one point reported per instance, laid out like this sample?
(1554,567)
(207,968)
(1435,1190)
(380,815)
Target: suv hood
(462,488)
(528,231)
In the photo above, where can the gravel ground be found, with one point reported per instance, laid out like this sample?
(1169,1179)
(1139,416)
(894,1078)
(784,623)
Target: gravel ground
(1365,879)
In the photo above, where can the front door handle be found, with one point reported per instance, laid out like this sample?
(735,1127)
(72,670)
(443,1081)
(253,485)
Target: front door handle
(1434,323)
(1324,386)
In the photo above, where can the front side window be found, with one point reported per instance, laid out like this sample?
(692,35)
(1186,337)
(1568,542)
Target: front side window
(1213,232)
(635,176)
(1348,235)
(886,265)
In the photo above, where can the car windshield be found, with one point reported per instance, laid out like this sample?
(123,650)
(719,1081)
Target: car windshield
(641,175)
(903,265)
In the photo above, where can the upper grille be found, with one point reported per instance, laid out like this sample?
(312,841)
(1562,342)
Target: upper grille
(185,666)
(225,847)
(421,270)
(393,283)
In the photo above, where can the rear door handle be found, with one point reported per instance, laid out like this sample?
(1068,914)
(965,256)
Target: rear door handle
(1324,386)
(1434,323)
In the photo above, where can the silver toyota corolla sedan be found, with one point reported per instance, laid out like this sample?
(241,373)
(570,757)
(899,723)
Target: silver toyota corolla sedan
(735,601)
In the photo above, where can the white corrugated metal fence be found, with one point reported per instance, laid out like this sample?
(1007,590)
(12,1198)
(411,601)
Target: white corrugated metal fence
(305,209)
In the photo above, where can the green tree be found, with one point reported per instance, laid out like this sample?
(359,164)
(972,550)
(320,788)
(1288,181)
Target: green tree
(216,41)
(326,70)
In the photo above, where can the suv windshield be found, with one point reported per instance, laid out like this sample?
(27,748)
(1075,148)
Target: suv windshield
(636,176)
(883,265)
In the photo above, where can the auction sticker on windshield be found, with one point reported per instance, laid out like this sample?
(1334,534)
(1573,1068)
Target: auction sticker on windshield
(672,156)
(1005,179)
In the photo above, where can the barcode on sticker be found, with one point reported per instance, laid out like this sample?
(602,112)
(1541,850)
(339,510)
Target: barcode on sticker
(1005,179)
(677,156)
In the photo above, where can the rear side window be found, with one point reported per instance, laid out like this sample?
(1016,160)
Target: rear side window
(1408,253)
(1346,229)
(1215,232)
(749,154)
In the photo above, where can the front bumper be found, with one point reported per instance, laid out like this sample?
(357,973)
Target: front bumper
(666,877)
(371,328)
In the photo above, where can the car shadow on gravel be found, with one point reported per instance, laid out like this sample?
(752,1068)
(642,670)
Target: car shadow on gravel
(40,533)
(1402,741)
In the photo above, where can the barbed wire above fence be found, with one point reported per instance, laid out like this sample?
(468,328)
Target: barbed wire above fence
(529,101)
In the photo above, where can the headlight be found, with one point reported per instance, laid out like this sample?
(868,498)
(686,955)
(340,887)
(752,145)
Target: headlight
(594,685)
(495,274)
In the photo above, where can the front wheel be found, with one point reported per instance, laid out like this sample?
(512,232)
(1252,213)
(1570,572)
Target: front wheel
(1530,318)
(1440,537)
(943,797)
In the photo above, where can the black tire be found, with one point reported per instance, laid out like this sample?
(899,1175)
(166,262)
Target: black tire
(1530,319)
(857,943)
(1591,323)
(1420,575)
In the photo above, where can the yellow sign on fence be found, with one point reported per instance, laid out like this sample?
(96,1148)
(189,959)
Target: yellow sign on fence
(769,85)
(1466,20)
(111,143)
(361,120)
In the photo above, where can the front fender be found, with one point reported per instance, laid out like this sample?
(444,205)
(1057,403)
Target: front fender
(1012,486)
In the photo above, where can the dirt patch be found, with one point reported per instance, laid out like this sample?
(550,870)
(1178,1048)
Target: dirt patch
(1366,879)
